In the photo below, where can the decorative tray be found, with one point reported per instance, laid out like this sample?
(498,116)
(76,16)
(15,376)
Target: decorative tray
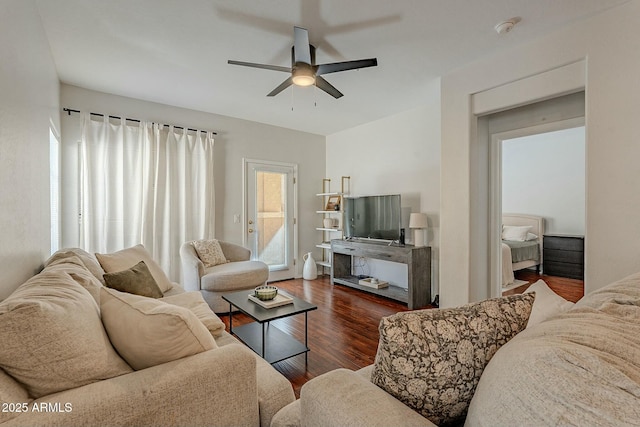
(278,301)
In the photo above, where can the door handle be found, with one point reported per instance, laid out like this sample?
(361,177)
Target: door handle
(250,230)
(250,222)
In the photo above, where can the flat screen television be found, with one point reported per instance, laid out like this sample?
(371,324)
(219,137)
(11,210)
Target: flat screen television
(372,217)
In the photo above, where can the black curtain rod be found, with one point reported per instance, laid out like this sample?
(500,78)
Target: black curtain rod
(69,111)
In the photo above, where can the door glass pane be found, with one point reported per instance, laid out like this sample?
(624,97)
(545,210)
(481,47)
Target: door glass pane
(271,218)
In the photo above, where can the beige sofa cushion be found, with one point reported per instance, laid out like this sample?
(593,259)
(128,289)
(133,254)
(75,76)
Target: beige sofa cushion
(127,258)
(72,264)
(432,360)
(194,302)
(209,252)
(11,392)
(147,332)
(579,368)
(135,280)
(87,259)
(52,338)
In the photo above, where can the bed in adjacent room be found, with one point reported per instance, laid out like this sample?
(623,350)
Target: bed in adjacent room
(521,244)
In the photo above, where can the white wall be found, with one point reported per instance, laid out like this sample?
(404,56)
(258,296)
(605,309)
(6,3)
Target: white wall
(396,154)
(236,139)
(544,175)
(607,44)
(28,103)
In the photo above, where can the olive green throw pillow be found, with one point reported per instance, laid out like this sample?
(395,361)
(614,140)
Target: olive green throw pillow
(432,360)
(127,258)
(135,280)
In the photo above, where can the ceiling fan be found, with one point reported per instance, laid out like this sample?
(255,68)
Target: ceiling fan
(304,71)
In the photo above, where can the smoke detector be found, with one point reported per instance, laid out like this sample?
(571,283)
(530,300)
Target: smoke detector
(505,26)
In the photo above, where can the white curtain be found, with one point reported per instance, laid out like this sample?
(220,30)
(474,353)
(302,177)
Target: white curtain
(145,183)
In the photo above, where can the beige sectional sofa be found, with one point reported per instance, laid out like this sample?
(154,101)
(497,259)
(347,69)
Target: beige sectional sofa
(579,368)
(59,366)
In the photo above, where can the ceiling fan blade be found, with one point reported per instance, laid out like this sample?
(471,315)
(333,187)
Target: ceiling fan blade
(285,84)
(327,87)
(264,66)
(344,66)
(301,49)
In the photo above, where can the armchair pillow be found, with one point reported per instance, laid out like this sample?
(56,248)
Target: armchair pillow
(135,280)
(431,360)
(209,252)
(163,332)
(127,258)
(52,338)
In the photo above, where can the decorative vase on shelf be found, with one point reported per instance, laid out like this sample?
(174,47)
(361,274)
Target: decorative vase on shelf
(309,270)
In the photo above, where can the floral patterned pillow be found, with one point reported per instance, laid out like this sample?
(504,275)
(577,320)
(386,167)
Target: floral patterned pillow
(431,360)
(209,252)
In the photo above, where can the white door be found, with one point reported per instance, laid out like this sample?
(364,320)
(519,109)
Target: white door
(270,229)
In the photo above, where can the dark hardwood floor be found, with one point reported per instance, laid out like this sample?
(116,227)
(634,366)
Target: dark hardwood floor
(343,331)
(569,289)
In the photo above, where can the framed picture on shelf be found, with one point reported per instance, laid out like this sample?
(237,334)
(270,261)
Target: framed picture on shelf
(333,203)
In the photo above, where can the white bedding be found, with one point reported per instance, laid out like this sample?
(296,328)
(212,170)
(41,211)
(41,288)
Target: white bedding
(507,266)
(537,228)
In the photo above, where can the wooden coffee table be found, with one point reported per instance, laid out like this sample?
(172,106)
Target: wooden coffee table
(269,342)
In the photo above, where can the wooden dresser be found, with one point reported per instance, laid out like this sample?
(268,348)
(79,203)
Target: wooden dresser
(563,255)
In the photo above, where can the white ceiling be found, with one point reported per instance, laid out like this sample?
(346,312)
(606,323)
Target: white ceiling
(175,52)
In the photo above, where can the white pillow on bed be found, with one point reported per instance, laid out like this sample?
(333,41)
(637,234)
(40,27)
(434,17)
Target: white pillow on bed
(531,236)
(515,232)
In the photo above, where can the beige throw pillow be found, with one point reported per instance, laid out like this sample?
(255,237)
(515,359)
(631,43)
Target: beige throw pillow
(547,303)
(148,332)
(209,252)
(431,360)
(198,306)
(135,280)
(127,258)
(51,338)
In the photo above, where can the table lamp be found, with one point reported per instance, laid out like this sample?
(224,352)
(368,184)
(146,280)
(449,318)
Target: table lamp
(418,222)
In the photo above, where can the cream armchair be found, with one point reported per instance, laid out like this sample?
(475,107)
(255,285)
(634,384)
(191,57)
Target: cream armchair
(238,274)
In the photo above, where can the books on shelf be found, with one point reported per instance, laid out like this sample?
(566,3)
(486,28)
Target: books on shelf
(278,301)
(378,284)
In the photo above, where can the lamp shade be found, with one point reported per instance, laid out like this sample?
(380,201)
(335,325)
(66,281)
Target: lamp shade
(418,220)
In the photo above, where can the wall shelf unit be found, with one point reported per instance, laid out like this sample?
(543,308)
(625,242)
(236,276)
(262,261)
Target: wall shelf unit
(330,209)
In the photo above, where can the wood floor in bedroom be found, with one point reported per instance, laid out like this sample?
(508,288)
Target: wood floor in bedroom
(569,289)
(343,331)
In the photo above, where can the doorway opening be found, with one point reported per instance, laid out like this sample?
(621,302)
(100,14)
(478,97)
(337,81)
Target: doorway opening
(270,211)
(541,118)
(538,171)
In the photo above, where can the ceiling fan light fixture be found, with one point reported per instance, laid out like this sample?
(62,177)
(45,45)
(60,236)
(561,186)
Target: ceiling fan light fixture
(303,75)
(304,80)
